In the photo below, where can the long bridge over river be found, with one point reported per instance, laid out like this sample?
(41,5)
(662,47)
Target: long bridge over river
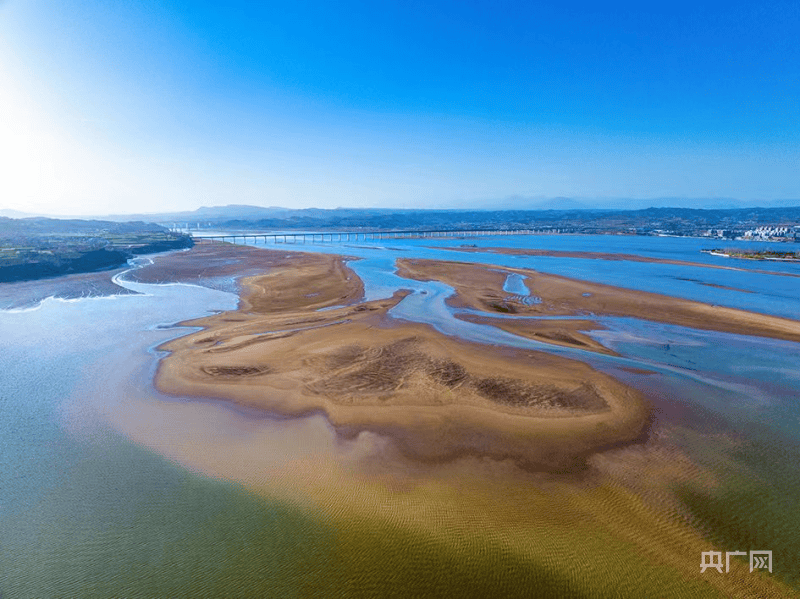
(339,236)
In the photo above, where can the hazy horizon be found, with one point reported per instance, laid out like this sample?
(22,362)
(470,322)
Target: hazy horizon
(505,204)
(170,107)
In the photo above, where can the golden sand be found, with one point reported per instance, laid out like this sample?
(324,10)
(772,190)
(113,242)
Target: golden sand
(481,287)
(437,397)
(566,333)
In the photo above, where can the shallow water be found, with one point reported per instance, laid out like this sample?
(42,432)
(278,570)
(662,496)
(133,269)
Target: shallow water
(108,487)
(771,294)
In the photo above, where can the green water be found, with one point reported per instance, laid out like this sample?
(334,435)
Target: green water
(153,529)
(756,508)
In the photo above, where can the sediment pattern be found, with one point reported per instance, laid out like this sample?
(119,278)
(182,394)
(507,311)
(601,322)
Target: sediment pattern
(435,396)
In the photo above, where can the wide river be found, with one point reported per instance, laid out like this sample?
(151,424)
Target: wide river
(110,489)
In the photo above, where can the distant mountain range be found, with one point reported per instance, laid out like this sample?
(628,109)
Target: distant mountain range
(675,220)
(242,212)
(514,204)
(564,203)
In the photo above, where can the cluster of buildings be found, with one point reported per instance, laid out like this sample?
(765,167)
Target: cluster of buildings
(773,233)
(764,233)
(720,233)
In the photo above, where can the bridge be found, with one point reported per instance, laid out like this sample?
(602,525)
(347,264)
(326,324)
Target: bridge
(339,236)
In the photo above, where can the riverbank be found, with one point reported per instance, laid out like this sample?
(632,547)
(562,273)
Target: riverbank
(38,255)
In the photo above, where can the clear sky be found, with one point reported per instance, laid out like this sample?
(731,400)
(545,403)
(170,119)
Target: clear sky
(173,104)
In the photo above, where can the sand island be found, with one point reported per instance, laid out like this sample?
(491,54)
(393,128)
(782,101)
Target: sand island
(480,287)
(302,342)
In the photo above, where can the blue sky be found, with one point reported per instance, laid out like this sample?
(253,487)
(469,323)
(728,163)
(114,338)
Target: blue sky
(152,106)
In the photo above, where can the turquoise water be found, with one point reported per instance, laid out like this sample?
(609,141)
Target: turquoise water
(93,504)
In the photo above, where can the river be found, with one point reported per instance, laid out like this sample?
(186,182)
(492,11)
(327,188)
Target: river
(108,488)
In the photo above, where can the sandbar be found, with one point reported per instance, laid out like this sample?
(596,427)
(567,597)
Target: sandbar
(480,287)
(612,256)
(566,333)
(435,396)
